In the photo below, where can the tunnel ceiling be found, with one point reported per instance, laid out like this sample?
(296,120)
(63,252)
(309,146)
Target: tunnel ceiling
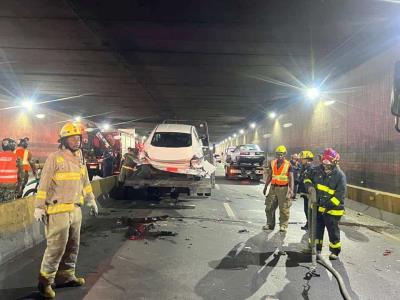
(227,62)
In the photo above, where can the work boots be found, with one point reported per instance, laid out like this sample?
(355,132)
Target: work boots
(268,227)
(46,291)
(71,282)
(333,256)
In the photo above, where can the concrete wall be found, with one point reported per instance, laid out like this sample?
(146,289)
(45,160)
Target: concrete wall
(18,229)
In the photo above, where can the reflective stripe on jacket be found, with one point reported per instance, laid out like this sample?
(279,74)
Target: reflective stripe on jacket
(8,168)
(64,183)
(330,188)
(280,176)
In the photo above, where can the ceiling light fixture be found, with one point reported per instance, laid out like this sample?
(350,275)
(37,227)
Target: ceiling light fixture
(313,93)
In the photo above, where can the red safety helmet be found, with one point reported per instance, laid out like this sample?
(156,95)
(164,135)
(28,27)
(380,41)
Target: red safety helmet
(330,156)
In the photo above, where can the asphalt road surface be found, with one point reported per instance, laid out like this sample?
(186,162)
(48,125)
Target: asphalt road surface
(219,252)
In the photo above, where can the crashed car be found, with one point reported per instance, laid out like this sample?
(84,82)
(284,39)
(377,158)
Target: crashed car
(247,154)
(177,148)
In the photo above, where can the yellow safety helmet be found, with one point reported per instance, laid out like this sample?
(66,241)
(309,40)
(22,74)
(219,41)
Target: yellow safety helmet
(70,129)
(281,149)
(306,154)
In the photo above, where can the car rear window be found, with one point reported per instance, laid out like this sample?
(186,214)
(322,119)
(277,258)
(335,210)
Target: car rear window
(250,147)
(171,140)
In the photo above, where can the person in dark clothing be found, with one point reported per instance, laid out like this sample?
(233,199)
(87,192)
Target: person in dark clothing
(329,181)
(296,167)
(307,158)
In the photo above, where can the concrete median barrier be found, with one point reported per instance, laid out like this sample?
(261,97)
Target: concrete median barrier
(18,229)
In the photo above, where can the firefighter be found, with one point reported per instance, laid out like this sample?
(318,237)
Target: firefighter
(11,171)
(25,156)
(129,163)
(280,176)
(307,158)
(63,189)
(330,185)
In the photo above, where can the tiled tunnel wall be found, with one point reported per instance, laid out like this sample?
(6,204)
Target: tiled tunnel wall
(359,125)
(43,133)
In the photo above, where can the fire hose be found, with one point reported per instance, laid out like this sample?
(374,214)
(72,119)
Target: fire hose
(315,257)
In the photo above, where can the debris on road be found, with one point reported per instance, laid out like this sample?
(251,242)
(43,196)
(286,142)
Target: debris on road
(243,231)
(140,228)
(387,252)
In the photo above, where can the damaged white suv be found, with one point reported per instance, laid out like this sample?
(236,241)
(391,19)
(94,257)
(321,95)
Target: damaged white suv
(177,148)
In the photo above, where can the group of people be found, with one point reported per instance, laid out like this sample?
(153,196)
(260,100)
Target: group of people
(325,177)
(15,165)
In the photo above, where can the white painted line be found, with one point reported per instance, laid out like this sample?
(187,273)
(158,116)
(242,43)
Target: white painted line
(229,211)
(391,236)
(217,187)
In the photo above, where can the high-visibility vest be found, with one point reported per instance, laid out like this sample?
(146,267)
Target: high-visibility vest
(280,176)
(8,168)
(23,154)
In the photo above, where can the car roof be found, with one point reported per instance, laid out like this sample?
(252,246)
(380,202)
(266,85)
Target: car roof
(174,128)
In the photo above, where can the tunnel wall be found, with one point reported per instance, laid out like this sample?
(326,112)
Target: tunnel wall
(18,229)
(43,133)
(359,125)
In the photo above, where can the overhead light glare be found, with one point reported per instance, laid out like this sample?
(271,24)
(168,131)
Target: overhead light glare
(329,102)
(313,93)
(27,104)
(40,116)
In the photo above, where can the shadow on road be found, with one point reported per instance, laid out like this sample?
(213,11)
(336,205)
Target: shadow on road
(248,266)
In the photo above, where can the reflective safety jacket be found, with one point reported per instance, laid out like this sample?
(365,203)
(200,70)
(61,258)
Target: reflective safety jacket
(25,156)
(330,188)
(280,176)
(64,183)
(8,168)
(129,162)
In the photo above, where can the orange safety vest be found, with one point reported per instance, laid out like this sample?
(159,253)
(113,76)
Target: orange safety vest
(8,168)
(280,176)
(23,154)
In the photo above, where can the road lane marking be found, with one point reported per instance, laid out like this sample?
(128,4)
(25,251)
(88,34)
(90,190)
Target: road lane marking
(390,236)
(217,187)
(229,211)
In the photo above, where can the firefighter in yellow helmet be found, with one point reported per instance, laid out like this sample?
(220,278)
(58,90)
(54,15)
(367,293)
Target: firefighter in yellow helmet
(64,187)
(280,177)
(307,158)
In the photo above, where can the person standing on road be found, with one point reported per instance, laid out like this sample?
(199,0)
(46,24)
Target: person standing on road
(307,158)
(63,189)
(296,167)
(280,177)
(330,185)
(25,156)
(129,163)
(11,171)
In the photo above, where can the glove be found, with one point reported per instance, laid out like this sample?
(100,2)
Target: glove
(94,210)
(40,215)
(289,194)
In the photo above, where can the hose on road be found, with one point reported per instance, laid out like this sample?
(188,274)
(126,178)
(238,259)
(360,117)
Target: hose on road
(316,257)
